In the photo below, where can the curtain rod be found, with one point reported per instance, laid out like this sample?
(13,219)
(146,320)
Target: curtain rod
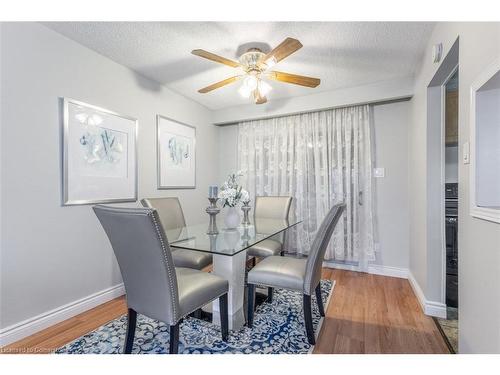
(375,102)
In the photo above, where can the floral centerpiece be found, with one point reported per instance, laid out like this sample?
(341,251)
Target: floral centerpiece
(231,194)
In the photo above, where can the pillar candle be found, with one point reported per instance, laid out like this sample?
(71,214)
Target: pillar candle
(213,191)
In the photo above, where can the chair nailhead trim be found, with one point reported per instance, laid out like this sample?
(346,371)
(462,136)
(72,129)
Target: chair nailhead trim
(173,291)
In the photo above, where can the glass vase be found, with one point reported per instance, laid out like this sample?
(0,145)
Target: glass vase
(232,218)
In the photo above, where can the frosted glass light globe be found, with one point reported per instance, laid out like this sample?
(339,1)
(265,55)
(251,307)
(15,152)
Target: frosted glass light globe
(250,82)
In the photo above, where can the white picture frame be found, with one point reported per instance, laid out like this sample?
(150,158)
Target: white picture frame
(478,210)
(99,155)
(176,154)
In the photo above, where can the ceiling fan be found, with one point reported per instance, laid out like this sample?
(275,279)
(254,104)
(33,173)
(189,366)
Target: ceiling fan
(255,65)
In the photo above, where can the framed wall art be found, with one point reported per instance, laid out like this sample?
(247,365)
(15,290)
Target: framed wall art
(99,155)
(176,154)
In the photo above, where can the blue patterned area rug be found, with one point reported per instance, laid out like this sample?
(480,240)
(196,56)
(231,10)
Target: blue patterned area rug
(278,329)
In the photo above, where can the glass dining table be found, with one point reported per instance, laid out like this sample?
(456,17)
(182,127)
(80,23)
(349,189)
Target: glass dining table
(229,250)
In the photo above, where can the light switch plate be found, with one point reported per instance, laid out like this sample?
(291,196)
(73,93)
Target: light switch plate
(466,153)
(379,172)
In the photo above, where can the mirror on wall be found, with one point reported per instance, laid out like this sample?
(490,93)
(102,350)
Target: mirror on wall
(485,143)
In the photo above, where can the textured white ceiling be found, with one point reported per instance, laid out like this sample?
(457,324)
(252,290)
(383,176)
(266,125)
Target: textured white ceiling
(342,54)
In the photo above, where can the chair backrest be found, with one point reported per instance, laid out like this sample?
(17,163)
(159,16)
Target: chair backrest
(169,210)
(318,248)
(143,254)
(276,208)
(272,207)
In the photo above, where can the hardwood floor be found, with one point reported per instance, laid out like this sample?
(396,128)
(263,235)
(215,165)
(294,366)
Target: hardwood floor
(56,336)
(367,314)
(376,314)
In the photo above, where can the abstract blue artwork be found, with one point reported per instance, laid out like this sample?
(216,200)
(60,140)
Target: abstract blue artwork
(100,157)
(178,150)
(176,154)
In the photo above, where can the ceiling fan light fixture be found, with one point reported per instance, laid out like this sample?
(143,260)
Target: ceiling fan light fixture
(251,58)
(264,88)
(270,62)
(245,91)
(250,82)
(252,67)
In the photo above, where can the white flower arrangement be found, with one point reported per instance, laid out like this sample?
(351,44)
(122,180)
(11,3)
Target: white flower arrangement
(245,197)
(231,193)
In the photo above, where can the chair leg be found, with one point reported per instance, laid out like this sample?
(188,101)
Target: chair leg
(308,319)
(269,294)
(174,338)
(251,301)
(224,325)
(196,314)
(131,324)
(320,300)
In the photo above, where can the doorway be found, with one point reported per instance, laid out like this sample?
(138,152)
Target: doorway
(442,195)
(449,324)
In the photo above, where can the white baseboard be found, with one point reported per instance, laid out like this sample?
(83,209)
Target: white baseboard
(30,326)
(430,308)
(374,269)
(436,309)
(341,266)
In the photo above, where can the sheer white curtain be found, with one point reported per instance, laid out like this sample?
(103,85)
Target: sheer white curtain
(319,158)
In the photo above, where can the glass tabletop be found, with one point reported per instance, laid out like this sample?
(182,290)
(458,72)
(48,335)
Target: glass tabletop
(228,241)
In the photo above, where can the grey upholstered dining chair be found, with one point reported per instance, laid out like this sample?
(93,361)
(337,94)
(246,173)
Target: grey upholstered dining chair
(270,207)
(153,286)
(172,217)
(297,274)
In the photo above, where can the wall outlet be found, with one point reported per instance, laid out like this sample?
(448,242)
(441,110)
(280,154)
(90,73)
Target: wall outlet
(379,172)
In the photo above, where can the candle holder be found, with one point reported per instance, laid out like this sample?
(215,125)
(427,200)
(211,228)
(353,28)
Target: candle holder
(212,210)
(245,237)
(213,241)
(245,208)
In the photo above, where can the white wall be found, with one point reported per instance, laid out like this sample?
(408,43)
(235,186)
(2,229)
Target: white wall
(479,240)
(391,125)
(53,255)
(228,151)
(391,152)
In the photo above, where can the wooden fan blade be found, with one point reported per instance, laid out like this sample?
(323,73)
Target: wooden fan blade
(216,85)
(258,98)
(286,48)
(294,78)
(214,57)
